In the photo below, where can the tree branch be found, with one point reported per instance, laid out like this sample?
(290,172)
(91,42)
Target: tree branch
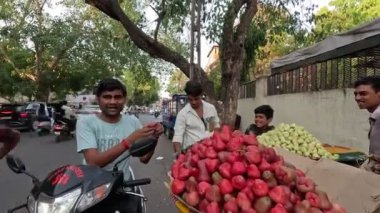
(104,6)
(284,7)
(229,20)
(43,4)
(161,16)
(139,38)
(246,18)
(25,13)
(144,42)
(229,48)
(7,58)
(154,9)
(59,56)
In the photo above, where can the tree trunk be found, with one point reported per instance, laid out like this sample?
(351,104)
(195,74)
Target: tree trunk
(40,93)
(233,55)
(231,68)
(43,80)
(43,92)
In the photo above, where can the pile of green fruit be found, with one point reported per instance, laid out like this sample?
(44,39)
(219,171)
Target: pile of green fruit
(297,140)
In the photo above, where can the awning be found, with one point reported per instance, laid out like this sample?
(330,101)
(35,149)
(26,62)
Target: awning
(360,38)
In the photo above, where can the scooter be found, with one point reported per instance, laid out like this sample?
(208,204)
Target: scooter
(87,189)
(63,131)
(156,114)
(43,128)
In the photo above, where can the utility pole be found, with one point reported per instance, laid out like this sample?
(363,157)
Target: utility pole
(195,36)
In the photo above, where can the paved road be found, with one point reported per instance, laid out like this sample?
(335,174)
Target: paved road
(42,154)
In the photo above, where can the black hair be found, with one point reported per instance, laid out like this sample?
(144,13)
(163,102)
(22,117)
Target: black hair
(64,102)
(193,88)
(266,110)
(373,81)
(110,84)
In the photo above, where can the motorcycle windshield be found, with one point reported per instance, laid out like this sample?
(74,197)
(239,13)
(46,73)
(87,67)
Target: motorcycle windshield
(68,177)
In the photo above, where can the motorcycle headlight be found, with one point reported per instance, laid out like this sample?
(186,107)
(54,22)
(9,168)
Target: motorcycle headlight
(93,197)
(63,204)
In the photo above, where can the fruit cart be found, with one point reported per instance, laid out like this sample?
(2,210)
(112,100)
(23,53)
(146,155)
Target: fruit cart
(232,172)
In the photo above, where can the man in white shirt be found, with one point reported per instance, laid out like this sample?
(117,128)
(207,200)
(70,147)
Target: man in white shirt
(367,95)
(69,115)
(195,121)
(68,112)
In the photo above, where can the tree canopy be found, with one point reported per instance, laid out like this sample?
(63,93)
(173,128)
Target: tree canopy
(45,53)
(342,15)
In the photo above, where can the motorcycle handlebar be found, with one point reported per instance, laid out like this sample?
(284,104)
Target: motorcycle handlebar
(138,182)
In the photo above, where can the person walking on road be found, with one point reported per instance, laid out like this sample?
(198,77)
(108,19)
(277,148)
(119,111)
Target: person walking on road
(367,96)
(9,139)
(195,121)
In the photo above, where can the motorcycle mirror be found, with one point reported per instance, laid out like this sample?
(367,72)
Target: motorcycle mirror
(142,146)
(15,164)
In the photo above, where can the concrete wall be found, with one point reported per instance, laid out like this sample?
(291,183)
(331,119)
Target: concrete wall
(332,116)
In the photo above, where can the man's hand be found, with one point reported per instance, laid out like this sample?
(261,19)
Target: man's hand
(158,128)
(157,131)
(177,149)
(375,157)
(143,132)
(373,163)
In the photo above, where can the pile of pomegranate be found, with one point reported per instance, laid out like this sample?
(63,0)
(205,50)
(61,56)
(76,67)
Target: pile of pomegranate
(231,172)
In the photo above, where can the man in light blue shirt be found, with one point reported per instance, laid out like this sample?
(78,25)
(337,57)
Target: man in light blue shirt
(105,138)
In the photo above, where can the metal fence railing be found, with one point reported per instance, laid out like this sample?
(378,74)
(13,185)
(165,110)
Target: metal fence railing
(247,90)
(330,74)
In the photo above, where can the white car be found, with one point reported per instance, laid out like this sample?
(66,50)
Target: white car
(89,109)
(125,110)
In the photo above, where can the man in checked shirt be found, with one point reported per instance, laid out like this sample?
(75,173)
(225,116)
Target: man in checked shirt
(367,95)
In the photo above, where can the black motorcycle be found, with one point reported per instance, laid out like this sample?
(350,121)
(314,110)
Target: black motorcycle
(87,189)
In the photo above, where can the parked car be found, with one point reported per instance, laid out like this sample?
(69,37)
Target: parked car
(16,116)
